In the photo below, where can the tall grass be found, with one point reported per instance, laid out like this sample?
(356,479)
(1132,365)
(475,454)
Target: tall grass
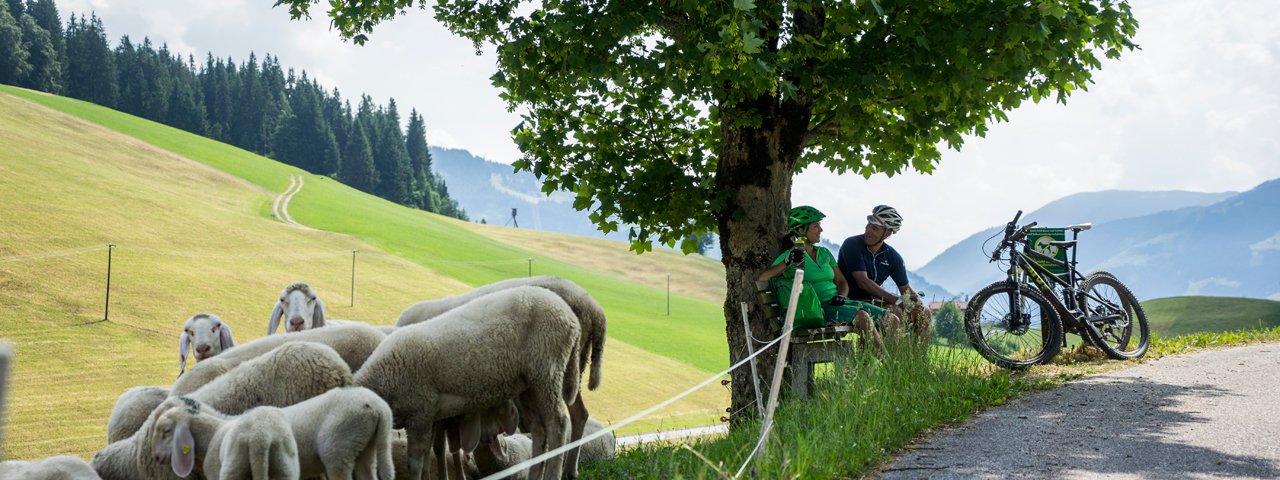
(860,412)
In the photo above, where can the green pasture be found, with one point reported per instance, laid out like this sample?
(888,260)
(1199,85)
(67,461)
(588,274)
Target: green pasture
(193,231)
(1175,316)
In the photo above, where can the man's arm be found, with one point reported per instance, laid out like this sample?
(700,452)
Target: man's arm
(864,282)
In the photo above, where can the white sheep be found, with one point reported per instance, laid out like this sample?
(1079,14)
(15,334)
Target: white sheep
(343,432)
(299,306)
(292,373)
(353,343)
(591,319)
(500,452)
(60,467)
(208,333)
(518,341)
(258,445)
(132,409)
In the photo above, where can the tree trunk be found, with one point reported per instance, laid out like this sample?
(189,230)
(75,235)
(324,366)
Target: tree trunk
(755,167)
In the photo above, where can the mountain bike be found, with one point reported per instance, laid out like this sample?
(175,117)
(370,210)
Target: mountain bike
(1020,321)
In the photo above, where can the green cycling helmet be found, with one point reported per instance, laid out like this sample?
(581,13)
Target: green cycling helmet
(802,216)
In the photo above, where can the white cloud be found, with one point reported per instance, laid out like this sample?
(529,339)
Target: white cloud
(1194,287)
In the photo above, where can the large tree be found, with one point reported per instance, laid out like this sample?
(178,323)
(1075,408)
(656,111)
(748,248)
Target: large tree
(717,104)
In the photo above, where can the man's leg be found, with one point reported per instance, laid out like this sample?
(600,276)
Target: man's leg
(867,332)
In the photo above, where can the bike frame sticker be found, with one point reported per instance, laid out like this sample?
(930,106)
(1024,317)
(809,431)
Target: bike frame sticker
(1038,239)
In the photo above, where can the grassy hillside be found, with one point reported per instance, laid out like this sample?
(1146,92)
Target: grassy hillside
(1175,316)
(192,224)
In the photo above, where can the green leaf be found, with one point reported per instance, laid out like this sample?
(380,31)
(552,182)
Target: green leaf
(744,5)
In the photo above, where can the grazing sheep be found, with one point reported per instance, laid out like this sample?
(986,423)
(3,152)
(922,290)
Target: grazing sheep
(288,374)
(353,343)
(603,448)
(344,432)
(61,467)
(132,409)
(258,445)
(301,308)
(209,334)
(591,318)
(294,372)
(500,452)
(514,343)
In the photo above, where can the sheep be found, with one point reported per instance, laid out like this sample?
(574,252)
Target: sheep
(60,467)
(257,445)
(353,343)
(301,308)
(591,344)
(500,452)
(513,343)
(294,372)
(343,432)
(209,334)
(131,411)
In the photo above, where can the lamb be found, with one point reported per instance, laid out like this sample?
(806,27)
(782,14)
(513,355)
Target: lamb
(257,445)
(591,344)
(299,306)
(294,372)
(209,334)
(518,342)
(353,343)
(132,409)
(60,467)
(505,451)
(343,432)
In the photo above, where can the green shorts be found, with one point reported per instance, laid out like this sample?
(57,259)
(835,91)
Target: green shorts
(845,313)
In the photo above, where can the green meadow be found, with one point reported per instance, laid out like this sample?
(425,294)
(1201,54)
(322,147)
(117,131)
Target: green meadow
(192,228)
(1175,316)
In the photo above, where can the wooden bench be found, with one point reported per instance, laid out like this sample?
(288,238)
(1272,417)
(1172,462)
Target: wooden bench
(809,346)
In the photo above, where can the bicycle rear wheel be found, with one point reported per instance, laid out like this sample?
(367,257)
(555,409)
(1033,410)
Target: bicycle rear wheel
(1117,325)
(1014,335)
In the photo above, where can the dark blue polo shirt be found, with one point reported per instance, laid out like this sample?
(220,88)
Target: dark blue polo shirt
(854,257)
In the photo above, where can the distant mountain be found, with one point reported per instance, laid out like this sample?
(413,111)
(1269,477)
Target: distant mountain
(1228,247)
(490,190)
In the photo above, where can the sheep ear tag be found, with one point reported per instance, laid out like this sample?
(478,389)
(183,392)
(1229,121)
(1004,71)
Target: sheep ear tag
(183,458)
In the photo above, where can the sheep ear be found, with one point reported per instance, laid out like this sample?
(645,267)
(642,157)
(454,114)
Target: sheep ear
(275,318)
(224,336)
(183,458)
(498,447)
(469,432)
(508,418)
(184,347)
(317,316)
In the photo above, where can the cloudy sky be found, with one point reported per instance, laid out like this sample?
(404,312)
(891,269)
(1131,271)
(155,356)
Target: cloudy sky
(1197,108)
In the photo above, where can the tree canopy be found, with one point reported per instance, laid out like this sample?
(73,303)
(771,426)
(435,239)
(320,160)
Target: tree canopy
(683,117)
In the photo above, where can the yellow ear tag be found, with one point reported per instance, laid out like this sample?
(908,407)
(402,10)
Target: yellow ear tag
(186,449)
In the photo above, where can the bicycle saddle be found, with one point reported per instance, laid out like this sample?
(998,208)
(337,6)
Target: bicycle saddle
(1080,227)
(1063,243)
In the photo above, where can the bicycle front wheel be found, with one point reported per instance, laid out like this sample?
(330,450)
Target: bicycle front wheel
(1013,327)
(1117,325)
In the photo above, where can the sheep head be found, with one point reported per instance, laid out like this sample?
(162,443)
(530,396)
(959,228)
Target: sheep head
(208,333)
(299,307)
(171,438)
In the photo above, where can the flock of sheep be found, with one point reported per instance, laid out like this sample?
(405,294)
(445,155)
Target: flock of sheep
(461,387)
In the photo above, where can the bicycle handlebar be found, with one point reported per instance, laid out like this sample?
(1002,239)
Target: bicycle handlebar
(1012,234)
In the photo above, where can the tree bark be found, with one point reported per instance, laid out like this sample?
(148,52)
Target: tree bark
(755,165)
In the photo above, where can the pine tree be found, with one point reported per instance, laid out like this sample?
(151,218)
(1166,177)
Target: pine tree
(419,161)
(186,104)
(16,9)
(357,161)
(249,96)
(13,58)
(129,81)
(45,73)
(46,14)
(91,69)
(390,157)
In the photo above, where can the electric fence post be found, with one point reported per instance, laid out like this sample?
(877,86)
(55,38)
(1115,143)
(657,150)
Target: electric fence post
(530,266)
(353,277)
(106,307)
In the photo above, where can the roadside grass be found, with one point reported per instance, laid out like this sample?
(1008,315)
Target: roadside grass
(866,410)
(192,238)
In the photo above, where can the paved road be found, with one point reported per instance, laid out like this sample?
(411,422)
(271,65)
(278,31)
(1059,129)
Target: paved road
(1209,415)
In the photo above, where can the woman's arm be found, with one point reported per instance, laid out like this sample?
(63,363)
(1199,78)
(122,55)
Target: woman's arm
(842,285)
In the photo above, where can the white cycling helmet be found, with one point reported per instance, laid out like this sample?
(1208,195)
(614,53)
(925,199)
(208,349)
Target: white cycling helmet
(886,217)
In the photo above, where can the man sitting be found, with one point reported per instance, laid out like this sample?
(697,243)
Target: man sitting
(866,261)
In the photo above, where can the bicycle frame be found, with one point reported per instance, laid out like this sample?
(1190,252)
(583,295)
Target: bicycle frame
(1068,304)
